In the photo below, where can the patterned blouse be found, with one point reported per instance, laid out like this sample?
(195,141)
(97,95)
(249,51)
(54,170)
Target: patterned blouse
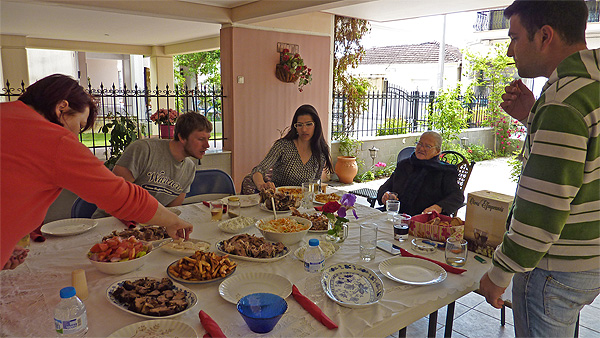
(287,165)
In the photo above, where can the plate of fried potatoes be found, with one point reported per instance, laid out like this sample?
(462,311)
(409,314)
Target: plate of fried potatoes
(201,267)
(180,247)
(324,198)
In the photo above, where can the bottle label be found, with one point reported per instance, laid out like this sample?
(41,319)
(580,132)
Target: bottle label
(70,326)
(313,266)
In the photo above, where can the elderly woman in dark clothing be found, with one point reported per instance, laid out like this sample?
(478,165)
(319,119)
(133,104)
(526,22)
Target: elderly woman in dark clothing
(422,182)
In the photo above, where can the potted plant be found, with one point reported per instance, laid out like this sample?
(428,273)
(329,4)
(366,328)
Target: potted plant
(165,118)
(346,167)
(123,131)
(291,68)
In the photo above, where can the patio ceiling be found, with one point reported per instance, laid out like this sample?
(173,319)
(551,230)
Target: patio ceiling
(149,23)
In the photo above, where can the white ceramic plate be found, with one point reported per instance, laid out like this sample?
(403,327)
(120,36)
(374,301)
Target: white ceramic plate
(69,226)
(245,200)
(282,212)
(155,328)
(281,255)
(237,224)
(181,280)
(175,248)
(329,249)
(321,203)
(236,287)
(351,285)
(414,271)
(189,296)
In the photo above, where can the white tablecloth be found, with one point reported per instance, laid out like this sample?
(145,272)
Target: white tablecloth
(30,292)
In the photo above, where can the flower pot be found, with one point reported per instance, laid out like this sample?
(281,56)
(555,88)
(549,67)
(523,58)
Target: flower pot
(166,131)
(346,168)
(284,75)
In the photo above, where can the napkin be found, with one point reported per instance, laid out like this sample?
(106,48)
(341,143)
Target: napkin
(212,328)
(36,235)
(208,205)
(445,266)
(313,309)
(129,224)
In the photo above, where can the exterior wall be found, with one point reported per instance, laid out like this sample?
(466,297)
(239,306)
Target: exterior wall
(390,146)
(44,62)
(421,77)
(102,71)
(262,105)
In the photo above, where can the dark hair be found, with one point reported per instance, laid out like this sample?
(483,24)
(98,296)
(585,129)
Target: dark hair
(45,94)
(190,122)
(568,18)
(317,142)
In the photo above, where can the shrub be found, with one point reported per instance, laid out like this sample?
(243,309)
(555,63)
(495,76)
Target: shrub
(392,127)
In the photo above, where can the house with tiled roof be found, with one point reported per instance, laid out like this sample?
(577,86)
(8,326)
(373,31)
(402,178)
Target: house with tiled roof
(412,67)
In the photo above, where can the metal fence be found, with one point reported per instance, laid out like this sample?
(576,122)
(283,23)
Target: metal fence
(139,104)
(395,111)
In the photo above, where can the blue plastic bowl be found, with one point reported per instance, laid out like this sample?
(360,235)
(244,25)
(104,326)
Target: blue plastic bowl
(262,311)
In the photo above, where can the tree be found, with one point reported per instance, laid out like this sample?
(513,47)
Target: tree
(347,54)
(448,114)
(492,73)
(199,64)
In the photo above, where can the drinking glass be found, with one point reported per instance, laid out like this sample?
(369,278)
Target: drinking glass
(308,191)
(79,282)
(392,207)
(216,210)
(456,251)
(368,241)
(401,227)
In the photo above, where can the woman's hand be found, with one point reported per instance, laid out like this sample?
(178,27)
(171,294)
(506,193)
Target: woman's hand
(388,196)
(260,183)
(18,256)
(434,207)
(266,185)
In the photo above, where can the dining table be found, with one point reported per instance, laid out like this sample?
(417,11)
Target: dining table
(29,293)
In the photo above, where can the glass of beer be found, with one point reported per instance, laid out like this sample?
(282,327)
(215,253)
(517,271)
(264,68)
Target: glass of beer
(216,210)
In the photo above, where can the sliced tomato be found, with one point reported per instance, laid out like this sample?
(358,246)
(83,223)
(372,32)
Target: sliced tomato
(96,248)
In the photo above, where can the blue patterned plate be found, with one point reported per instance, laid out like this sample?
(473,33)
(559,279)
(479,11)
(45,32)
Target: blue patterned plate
(351,285)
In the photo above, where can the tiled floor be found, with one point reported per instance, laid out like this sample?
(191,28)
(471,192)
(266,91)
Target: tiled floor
(473,317)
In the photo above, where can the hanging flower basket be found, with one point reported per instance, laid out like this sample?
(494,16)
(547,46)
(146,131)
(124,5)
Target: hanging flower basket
(291,68)
(284,75)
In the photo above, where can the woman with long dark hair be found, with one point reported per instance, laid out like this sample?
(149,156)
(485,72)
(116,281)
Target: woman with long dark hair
(301,155)
(41,155)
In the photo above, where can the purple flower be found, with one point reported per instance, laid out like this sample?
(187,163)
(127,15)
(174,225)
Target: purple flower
(348,200)
(342,211)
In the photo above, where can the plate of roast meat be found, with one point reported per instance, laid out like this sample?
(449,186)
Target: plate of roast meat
(252,248)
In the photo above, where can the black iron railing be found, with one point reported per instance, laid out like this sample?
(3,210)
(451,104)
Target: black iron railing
(139,104)
(494,19)
(396,111)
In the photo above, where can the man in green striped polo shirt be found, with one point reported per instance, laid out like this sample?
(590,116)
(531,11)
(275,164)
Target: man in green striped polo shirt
(551,250)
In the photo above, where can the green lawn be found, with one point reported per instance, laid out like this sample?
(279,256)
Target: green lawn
(100,142)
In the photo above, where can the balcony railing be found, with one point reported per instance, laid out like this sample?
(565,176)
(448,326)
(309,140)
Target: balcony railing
(494,19)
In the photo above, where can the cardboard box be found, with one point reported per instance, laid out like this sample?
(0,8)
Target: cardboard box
(485,221)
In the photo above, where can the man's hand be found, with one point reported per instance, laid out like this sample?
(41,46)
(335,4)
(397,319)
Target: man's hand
(518,100)
(388,196)
(491,291)
(18,256)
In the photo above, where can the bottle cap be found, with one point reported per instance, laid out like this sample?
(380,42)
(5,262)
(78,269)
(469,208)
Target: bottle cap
(234,199)
(67,292)
(313,242)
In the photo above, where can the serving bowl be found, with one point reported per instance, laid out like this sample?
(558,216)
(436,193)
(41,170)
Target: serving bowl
(287,238)
(119,268)
(262,311)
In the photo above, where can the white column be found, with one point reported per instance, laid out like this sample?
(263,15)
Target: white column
(14,60)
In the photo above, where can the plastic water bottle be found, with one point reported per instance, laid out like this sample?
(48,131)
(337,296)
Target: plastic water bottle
(313,256)
(70,317)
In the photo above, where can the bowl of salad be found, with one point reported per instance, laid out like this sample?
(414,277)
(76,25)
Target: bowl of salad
(287,230)
(116,256)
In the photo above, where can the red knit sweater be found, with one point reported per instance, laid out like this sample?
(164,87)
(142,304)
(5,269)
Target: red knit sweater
(38,159)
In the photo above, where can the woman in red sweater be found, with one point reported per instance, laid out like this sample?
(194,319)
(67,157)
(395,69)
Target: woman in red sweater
(40,155)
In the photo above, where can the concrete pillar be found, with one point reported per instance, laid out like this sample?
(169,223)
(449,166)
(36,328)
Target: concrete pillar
(161,74)
(14,60)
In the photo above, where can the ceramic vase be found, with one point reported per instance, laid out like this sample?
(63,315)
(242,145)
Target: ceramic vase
(346,168)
